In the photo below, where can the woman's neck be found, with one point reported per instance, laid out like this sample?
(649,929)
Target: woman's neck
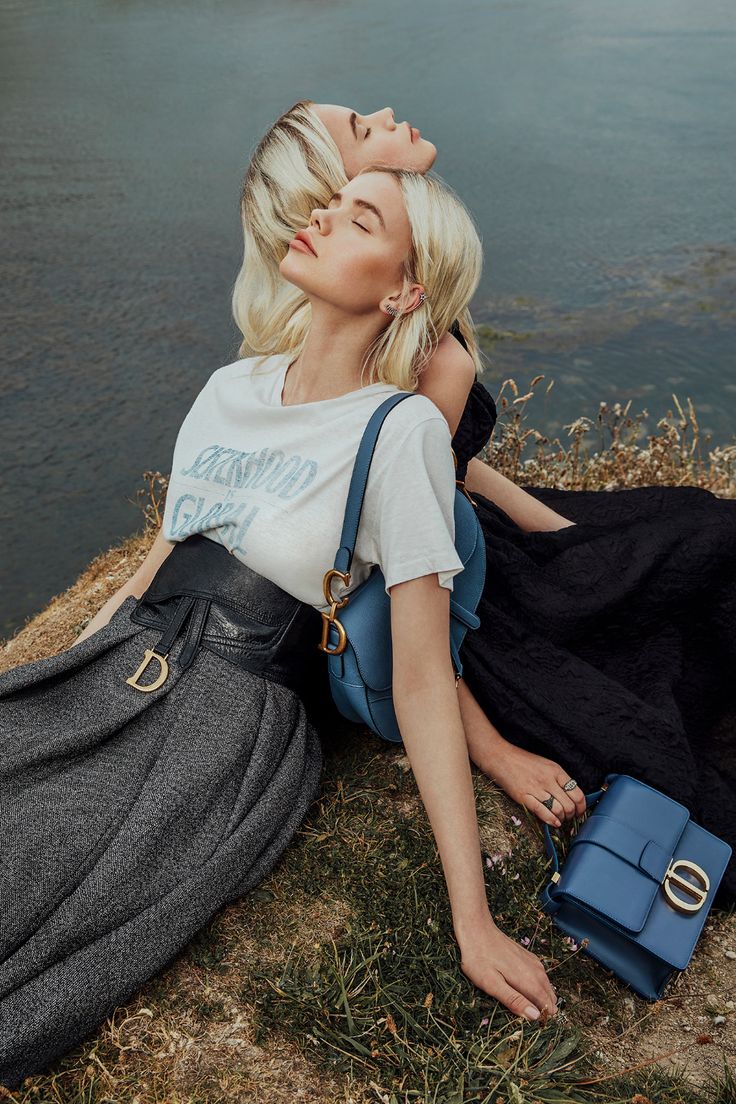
(331,361)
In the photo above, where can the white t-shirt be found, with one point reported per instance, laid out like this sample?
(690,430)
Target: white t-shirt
(270,482)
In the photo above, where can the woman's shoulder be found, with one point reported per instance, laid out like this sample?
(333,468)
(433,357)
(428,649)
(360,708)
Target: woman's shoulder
(417,410)
(415,432)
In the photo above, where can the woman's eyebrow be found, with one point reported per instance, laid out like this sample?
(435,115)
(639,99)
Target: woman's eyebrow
(361,203)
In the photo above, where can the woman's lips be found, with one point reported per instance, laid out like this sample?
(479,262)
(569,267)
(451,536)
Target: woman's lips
(297,243)
(415,133)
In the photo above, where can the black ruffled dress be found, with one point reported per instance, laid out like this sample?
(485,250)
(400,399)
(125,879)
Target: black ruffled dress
(610,645)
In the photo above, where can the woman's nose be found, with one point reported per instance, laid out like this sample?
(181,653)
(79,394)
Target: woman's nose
(385,117)
(319,219)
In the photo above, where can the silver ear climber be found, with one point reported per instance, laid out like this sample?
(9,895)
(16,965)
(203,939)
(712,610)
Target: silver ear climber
(393,311)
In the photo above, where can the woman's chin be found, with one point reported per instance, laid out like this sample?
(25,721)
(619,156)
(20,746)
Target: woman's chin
(431,153)
(289,269)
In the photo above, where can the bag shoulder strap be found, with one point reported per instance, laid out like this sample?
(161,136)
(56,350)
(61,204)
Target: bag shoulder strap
(359,480)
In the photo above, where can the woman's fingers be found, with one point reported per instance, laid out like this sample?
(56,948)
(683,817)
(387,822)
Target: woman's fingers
(562,799)
(535,806)
(536,997)
(577,796)
(516,1002)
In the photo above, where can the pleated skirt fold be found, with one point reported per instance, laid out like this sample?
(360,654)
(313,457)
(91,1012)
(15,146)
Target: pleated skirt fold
(127,819)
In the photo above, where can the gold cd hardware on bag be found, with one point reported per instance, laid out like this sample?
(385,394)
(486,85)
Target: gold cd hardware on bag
(672,878)
(329,618)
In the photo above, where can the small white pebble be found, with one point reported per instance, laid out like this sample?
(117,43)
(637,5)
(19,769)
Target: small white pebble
(719,1019)
(730,954)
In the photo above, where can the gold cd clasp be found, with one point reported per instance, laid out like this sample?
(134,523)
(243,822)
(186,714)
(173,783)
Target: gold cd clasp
(329,619)
(672,878)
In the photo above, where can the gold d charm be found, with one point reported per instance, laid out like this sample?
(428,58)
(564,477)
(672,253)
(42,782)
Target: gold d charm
(673,878)
(163,674)
(329,618)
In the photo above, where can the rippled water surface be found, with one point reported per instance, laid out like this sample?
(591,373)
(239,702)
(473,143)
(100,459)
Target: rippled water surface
(593,142)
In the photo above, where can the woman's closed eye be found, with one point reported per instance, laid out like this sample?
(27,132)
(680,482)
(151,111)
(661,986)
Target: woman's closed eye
(362,227)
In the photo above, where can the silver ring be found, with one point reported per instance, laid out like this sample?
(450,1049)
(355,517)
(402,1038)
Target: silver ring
(570,784)
(549,802)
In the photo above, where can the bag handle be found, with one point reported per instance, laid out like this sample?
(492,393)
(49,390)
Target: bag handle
(359,480)
(590,799)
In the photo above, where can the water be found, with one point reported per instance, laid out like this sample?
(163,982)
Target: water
(593,143)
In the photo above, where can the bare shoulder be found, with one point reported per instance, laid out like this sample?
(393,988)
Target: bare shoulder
(451,357)
(448,379)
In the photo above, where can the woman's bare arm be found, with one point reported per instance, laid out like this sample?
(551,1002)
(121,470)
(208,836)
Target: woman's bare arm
(135,585)
(428,714)
(527,511)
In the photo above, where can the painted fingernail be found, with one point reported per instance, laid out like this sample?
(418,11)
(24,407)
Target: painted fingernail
(532,1013)
(558,823)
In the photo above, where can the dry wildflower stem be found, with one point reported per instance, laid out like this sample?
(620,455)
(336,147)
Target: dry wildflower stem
(671,457)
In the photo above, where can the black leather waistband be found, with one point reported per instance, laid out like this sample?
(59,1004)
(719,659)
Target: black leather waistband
(221,604)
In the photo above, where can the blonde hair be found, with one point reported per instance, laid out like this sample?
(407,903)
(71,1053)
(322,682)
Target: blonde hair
(297,167)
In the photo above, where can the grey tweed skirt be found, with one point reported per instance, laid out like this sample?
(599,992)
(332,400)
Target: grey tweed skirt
(130,816)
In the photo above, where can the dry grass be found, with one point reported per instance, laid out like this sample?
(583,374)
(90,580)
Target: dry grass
(337,980)
(607,454)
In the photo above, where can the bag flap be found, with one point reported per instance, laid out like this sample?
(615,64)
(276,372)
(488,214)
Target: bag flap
(618,859)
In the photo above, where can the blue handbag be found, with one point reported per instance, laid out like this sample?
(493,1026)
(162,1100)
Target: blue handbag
(358,644)
(638,883)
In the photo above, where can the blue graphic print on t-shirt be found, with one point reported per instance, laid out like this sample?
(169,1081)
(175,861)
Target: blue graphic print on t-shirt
(268,469)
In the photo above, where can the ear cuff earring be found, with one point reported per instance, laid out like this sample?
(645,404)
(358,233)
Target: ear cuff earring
(393,311)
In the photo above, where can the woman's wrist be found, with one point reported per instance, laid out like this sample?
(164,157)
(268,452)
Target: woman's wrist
(471,925)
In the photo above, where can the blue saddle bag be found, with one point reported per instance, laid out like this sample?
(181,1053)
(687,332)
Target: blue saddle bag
(637,884)
(358,643)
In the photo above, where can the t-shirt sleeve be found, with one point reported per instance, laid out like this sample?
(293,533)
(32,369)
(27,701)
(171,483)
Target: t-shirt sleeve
(183,443)
(411,506)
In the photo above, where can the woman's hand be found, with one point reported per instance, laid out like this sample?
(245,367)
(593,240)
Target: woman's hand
(505,970)
(528,779)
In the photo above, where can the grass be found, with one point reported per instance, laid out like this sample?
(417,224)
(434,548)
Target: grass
(384,999)
(338,978)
